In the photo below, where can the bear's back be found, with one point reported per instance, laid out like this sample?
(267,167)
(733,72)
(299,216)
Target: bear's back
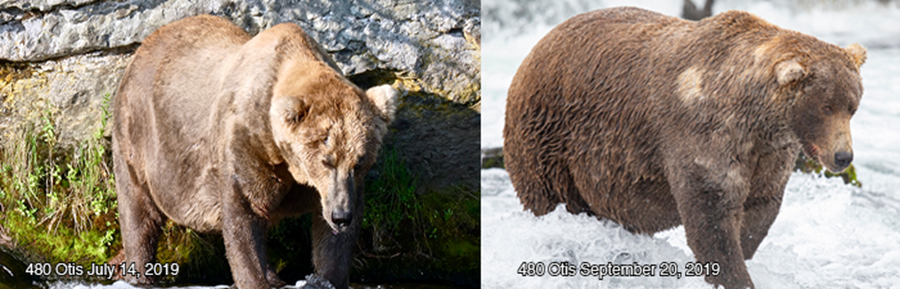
(174,72)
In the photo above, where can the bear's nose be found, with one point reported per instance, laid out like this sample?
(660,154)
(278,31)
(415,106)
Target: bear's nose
(843,159)
(341,217)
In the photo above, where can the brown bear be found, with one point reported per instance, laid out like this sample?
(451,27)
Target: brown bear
(653,121)
(221,132)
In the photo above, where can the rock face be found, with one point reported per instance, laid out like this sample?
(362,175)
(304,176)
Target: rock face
(65,55)
(70,89)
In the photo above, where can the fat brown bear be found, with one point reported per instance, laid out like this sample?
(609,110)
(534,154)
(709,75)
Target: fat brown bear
(221,132)
(653,121)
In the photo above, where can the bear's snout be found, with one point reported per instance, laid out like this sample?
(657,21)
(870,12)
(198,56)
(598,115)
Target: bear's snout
(842,160)
(339,203)
(341,217)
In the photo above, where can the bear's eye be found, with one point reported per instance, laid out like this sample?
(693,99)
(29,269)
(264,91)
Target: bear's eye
(827,109)
(359,163)
(328,162)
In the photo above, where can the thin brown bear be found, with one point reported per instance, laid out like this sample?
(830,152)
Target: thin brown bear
(223,132)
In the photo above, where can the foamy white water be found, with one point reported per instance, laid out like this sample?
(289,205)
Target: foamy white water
(827,235)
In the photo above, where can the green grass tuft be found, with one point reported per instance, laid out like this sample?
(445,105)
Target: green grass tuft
(60,202)
(407,234)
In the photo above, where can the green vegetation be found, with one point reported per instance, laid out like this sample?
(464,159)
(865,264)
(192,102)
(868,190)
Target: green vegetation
(808,166)
(60,202)
(391,199)
(406,234)
(492,158)
(201,257)
(59,205)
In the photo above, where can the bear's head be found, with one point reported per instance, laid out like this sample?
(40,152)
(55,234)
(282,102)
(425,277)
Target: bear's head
(826,90)
(329,133)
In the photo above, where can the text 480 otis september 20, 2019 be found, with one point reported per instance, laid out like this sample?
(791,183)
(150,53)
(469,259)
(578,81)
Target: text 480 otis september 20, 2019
(663,269)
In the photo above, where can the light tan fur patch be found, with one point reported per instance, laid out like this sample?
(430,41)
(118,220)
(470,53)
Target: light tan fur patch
(690,85)
(762,51)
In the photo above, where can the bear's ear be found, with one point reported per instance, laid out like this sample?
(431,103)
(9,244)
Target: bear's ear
(385,98)
(789,71)
(857,52)
(288,109)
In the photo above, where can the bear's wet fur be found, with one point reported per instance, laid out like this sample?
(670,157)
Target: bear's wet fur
(653,121)
(223,132)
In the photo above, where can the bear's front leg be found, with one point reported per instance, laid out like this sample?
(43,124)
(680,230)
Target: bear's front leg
(245,244)
(759,214)
(764,200)
(710,203)
(333,252)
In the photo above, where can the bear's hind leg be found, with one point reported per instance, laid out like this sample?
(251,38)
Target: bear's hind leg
(139,220)
(542,192)
(538,201)
(534,170)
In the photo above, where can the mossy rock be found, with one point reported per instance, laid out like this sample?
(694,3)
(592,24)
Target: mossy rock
(437,137)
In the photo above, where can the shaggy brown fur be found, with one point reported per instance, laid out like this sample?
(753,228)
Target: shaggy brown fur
(652,121)
(222,132)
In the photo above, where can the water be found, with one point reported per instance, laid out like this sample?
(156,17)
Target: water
(827,235)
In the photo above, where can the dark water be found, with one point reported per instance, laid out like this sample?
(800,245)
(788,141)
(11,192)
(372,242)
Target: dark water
(12,273)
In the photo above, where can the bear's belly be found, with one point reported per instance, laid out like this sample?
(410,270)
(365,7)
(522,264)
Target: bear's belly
(195,203)
(642,207)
